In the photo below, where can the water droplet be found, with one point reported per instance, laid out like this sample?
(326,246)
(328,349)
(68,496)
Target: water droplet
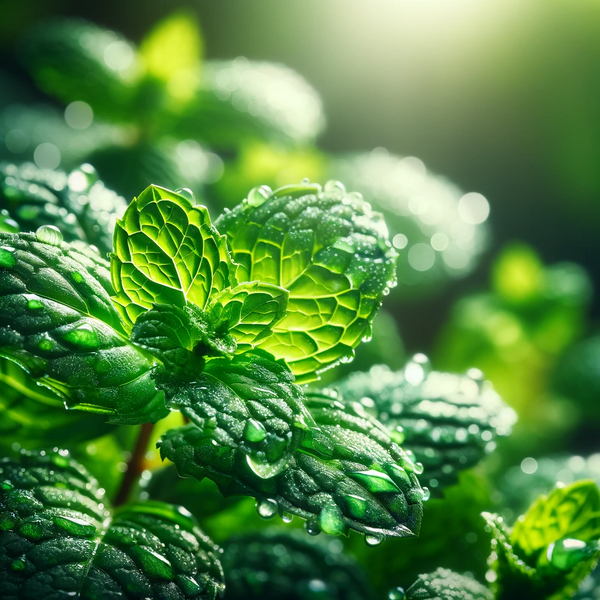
(34,304)
(17,565)
(186,193)
(77,277)
(49,234)
(565,554)
(259,195)
(397,594)
(7,259)
(267,508)
(305,181)
(46,344)
(264,469)
(418,468)
(83,336)
(426,494)
(373,539)
(312,528)
(287,517)
(7,486)
(254,431)
(331,520)
(333,186)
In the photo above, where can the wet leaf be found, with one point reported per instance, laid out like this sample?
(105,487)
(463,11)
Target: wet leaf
(446,585)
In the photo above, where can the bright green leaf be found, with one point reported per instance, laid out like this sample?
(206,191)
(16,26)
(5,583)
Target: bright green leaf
(330,251)
(449,421)
(171,53)
(248,312)
(443,584)
(297,567)
(57,322)
(77,203)
(59,538)
(166,252)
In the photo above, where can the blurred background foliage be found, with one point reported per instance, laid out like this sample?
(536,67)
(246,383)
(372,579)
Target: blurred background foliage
(472,126)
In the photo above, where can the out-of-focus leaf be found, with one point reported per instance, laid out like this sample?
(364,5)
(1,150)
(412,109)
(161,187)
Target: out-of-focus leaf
(439,231)
(59,538)
(34,417)
(551,548)
(171,53)
(166,251)
(57,321)
(449,421)
(443,584)
(77,203)
(240,101)
(347,474)
(248,416)
(330,251)
(291,566)
(76,60)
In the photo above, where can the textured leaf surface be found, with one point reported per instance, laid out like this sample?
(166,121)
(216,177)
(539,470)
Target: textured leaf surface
(552,548)
(76,60)
(290,566)
(219,113)
(77,203)
(248,312)
(330,251)
(347,474)
(166,252)
(35,418)
(57,321)
(247,415)
(59,538)
(449,421)
(446,585)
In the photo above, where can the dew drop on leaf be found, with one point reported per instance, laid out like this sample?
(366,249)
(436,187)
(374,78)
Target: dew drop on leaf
(49,234)
(258,196)
(267,509)
(34,304)
(565,554)
(331,520)
(373,539)
(287,517)
(83,336)
(397,594)
(17,565)
(312,528)
(186,193)
(254,431)
(7,259)
(6,486)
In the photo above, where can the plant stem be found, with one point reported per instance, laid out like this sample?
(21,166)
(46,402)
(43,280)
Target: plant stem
(134,464)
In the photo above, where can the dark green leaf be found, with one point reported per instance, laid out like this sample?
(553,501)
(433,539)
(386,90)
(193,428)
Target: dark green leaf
(77,203)
(57,321)
(449,421)
(247,416)
(59,538)
(446,585)
(291,566)
(330,251)
(347,474)
(166,252)
(34,417)
(76,60)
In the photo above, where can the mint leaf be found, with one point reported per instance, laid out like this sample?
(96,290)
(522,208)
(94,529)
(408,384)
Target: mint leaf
(444,584)
(276,565)
(247,415)
(347,474)
(218,114)
(552,548)
(36,417)
(248,312)
(330,251)
(75,60)
(59,537)
(449,421)
(77,203)
(166,252)
(58,323)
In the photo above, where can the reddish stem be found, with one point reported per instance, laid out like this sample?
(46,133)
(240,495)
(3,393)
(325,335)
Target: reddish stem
(134,464)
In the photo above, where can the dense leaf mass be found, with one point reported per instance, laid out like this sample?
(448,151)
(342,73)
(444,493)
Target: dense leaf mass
(291,566)
(77,203)
(330,251)
(346,474)
(449,421)
(446,585)
(57,321)
(59,538)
